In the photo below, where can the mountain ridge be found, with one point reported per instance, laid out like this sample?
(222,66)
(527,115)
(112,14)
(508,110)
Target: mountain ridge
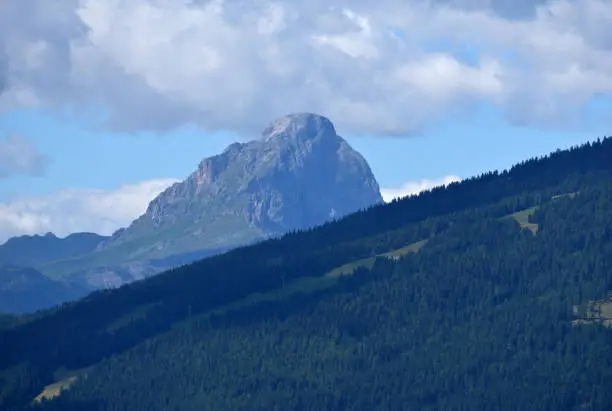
(34,250)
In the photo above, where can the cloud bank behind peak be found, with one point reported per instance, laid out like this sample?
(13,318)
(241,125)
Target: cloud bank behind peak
(387,67)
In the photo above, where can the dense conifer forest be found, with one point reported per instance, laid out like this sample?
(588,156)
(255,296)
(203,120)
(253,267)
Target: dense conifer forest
(473,296)
(7,321)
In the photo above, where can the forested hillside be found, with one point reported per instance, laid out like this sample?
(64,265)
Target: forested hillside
(25,290)
(7,321)
(463,297)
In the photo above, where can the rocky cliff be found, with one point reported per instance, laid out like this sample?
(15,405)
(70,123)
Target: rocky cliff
(300,173)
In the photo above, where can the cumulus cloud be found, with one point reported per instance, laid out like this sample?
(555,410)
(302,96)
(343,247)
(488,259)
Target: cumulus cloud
(79,210)
(384,67)
(415,187)
(19,156)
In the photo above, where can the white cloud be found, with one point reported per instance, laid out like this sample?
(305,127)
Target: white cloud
(79,210)
(415,187)
(158,64)
(19,156)
(357,43)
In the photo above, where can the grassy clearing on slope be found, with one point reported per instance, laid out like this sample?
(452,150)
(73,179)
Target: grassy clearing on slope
(594,312)
(349,268)
(522,217)
(63,381)
(411,248)
(570,195)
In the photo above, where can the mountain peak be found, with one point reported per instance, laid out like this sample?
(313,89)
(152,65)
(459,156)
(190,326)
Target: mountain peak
(299,174)
(304,126)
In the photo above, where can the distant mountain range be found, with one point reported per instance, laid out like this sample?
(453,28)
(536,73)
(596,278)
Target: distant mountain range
(297,175)
(34,250)
(25,289)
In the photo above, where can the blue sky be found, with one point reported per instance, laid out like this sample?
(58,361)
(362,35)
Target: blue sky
(98,115)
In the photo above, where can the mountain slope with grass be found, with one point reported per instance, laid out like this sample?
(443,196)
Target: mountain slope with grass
(463,297)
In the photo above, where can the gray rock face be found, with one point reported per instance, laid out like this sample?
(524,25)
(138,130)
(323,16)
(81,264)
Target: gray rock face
(299,174)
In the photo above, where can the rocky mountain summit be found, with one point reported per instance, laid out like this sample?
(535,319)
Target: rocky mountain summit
(300,173)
